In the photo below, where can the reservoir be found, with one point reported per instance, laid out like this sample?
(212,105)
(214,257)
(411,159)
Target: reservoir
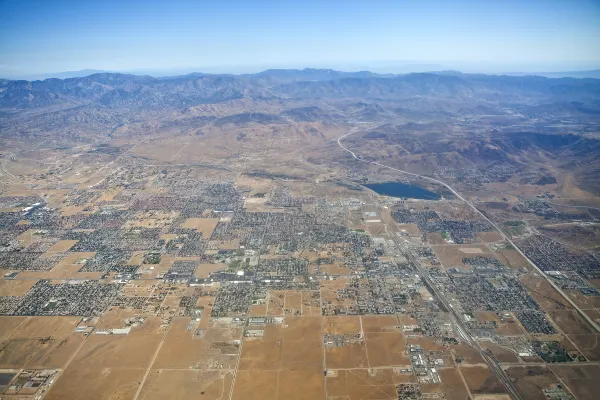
(404,190)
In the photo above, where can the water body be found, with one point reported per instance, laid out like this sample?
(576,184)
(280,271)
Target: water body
(403,190)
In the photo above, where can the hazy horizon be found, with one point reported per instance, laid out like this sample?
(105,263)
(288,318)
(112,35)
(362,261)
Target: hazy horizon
(40,38)
(390,68)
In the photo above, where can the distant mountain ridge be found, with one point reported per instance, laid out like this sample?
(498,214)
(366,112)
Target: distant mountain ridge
(146,92)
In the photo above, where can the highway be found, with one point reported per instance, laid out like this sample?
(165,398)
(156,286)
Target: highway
(460,327)
(505,237)
(491,361)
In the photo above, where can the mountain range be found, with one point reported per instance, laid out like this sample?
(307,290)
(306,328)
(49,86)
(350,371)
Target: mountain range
(146,92)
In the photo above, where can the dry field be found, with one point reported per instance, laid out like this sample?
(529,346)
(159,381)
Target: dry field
(530,381)
(293,303)
(481,380)
(311,303)
(386,349)
(8,325)
(411,229)
(452,384)
(334,269)
(257,310)
(584,302)
(61,246)
(263,353)
(95,383)
(503,354)
(152,271)
(510,327)
(287,360)
(206,226)
(358,384)
(181,350)
(582,380)
(468,355)
(38,342)
(489,237)
(436,238)
(134,350)
(12,287)
(588,344)
(512,259)
(543,293)
(186,384)
(451,256)
(570,322)
(68,267)
(275,303)
(203,270)
(151,219)
(256,385)
(351,355)
(342,325)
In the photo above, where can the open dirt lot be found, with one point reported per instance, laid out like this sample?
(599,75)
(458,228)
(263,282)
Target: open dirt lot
(256,385)
(569,321)
(186,385)
(204,225)
(182,350)
(40,342)
(386,349)
(489,237)
(582,380)
(452,384)
(96,383)
(380,323)
(305,355)
(281,349)
(276,303)
(547,297)
(302,328)
(358,384)
(341,324)
(300,385)
(293,302)
(203,270)
(334,269)
(13,287)
(61,246)
(451,256)
(311,303)
(257,310)
(351,355)
(503,354)
(530,381)
(584,302)
(8,325)
(134,350)
(512,259)
(151,219)
(480,379)
(588,344)
(263,353)
(468,355)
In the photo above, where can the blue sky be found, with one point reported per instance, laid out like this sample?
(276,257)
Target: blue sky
(237,36)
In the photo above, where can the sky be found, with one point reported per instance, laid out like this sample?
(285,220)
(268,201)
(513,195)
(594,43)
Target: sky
(48,36)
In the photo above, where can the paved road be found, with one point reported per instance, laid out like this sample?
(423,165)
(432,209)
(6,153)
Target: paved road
(461,328)
(464,332)
(454,192)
